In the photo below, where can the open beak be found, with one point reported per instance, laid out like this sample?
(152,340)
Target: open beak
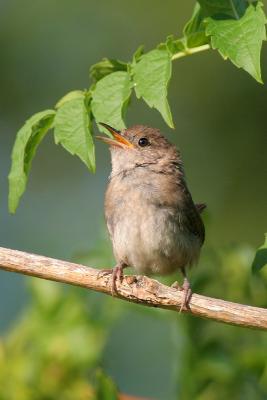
(117,140)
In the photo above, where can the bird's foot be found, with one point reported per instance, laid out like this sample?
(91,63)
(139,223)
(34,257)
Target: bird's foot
(116,275)
(187,295)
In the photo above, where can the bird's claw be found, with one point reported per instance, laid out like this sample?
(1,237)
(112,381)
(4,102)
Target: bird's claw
(187,295)
(116,275)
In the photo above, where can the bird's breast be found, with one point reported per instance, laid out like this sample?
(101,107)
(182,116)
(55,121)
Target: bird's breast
(146,234)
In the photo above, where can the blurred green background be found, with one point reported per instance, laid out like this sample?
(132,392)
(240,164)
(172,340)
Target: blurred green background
(54,338)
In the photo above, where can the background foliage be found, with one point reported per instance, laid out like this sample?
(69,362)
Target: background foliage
(62,336)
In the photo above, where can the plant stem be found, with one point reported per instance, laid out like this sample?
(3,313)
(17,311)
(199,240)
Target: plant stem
(191,51)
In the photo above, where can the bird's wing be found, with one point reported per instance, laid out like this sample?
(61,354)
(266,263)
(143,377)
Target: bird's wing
(192,217)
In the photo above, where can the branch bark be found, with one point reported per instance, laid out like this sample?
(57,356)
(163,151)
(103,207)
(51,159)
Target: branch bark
(136,289)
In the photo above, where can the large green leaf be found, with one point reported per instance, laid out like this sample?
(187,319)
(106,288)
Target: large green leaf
(151,77)
(73,129)
(260,259)
(240,40)
(109,99)
(223,8)
(27,141)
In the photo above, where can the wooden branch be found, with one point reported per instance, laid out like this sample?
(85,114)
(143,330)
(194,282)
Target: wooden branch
(136,289)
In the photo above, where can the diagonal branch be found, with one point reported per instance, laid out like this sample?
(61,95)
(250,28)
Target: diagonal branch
(136,289)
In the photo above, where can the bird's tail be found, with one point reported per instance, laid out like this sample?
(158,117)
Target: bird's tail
(200,207)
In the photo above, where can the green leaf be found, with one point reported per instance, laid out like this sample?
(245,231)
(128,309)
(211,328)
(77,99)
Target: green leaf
(27,141)
(220,9)
(73,130)
(106,67)
(74,94)
(240,40)
(110,98)
(106,389)
(151,77)
(195,30)
(260,259)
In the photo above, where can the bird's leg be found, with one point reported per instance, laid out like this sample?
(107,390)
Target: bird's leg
(187,292)
(117,274)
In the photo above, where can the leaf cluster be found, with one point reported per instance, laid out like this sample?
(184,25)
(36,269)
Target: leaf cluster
(54,351)
(235,28)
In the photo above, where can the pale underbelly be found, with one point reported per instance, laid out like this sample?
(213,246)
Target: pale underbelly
(155,244)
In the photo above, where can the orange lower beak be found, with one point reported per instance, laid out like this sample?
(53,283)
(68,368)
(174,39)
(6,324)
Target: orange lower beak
(117,140)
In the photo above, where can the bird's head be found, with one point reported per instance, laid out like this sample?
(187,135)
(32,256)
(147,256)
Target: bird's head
(138,145)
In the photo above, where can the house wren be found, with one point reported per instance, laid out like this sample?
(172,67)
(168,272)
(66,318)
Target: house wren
(153,223)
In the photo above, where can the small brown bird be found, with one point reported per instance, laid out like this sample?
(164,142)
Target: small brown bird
(153,223)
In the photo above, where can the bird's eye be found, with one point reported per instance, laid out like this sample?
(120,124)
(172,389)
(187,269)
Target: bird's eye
(143,142)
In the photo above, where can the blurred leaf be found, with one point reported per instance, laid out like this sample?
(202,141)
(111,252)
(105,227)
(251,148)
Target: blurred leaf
(260,259)
(73,129)
(105,67)
(74,94)
(223,8)
(27,141)
(106,389)
(194,30)
(54,348)
(151,77)
(46,294)
(240,40)
(109,99)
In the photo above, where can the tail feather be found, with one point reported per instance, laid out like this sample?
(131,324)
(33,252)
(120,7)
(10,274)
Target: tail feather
(200,207)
